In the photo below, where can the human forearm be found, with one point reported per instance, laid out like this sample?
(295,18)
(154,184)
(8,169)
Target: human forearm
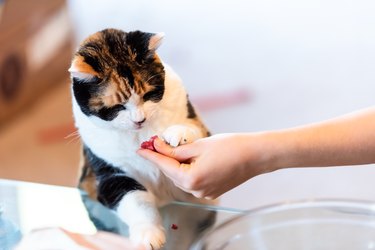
(346,140)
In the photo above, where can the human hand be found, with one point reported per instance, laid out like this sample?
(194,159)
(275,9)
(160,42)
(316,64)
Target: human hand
(213,165)
(208,167)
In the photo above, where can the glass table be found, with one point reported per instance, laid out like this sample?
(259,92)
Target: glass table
(310,224)
(27,206)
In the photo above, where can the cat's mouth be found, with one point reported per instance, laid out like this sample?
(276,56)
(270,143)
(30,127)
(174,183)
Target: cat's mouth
(138,126)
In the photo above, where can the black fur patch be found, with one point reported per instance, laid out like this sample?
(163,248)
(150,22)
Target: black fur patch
(191,111)
(108,114)
(113,183)
(115,42)
(124,71)
(154,95)
(83,90)
(139,42)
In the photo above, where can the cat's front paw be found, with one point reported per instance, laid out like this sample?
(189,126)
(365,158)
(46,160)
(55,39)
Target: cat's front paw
(150,236)
(179,134)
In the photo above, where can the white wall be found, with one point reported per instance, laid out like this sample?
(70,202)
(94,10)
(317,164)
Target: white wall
(301,60)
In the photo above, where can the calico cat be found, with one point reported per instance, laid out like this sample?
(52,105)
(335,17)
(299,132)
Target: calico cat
(122,94)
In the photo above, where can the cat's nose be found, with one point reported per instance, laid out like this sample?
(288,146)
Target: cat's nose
(140,122)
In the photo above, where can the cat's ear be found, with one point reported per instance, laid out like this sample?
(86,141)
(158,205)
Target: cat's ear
(155,41)
(143,44)
(80,69)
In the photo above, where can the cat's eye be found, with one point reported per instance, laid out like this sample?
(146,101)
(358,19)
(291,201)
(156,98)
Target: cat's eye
(119,107)
(153,95)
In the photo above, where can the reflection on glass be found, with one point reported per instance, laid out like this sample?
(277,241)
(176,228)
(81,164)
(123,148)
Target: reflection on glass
(296,226)
(33,206)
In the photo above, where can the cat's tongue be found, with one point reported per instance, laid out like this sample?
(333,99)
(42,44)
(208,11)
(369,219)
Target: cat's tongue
(149,144)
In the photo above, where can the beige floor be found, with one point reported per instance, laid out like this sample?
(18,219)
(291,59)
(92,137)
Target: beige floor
(34,146)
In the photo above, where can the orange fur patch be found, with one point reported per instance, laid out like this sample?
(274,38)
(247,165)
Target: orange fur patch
(80,65)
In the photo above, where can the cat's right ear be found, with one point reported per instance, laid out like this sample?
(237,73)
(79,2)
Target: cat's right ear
(155,41)
(81,70)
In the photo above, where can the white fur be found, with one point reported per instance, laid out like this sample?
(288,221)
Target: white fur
(139,211)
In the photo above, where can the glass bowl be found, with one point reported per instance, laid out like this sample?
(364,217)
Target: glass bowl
(315,225)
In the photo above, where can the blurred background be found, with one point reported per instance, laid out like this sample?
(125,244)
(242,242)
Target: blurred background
(248,66)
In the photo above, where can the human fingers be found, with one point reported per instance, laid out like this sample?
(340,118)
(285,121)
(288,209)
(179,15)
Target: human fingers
(181,153)
(169,166)
(179,173)
(197,193)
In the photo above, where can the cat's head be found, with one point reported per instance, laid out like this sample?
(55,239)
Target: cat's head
(117,78)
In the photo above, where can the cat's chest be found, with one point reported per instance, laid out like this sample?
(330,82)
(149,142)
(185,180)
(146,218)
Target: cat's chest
(116,148)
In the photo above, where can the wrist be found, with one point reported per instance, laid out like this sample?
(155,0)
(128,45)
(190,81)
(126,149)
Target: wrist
(263,152)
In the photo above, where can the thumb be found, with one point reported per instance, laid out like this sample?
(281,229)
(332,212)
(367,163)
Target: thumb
(180,153)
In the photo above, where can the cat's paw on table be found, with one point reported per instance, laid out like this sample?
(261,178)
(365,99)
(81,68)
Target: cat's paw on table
(150,236)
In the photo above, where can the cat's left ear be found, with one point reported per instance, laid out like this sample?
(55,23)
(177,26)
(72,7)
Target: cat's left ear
(155,41)
(80,69)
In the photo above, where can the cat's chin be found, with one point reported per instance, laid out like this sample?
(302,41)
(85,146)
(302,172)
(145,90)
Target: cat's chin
(127,127)
(135,128)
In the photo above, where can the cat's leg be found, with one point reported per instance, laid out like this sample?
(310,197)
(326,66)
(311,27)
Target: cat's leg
(139,211)
(135,206)
(181,134)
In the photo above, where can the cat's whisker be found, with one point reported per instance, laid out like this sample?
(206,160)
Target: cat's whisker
(73,134)
(73,137)
(76,140)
